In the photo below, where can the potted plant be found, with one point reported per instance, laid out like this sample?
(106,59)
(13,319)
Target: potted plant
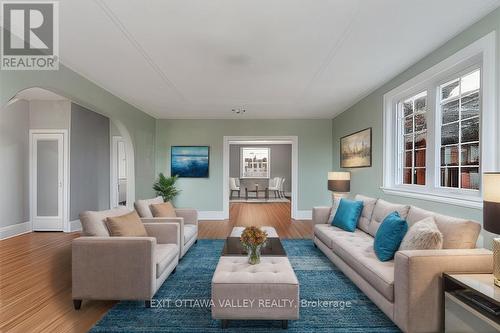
(253,239)
(165,187)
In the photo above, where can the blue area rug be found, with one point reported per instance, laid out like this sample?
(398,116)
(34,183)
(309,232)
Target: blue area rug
(319,280)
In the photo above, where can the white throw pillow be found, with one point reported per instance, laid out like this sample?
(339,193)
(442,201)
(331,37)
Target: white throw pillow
(423,235)
(336,203)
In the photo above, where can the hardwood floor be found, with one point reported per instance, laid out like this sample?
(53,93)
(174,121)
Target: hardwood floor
(276,215)
(35,271)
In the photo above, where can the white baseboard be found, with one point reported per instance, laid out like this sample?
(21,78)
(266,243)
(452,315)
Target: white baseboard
(15,230)
(304,215)
(211,215)
(75,226)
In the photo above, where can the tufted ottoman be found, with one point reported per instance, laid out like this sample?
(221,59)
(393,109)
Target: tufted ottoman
(266,291)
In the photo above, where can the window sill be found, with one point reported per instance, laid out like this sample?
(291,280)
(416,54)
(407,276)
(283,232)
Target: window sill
(450,199)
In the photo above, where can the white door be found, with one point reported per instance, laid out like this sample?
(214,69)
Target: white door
(47,181)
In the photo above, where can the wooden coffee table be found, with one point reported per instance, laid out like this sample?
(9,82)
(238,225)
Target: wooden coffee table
(257,191)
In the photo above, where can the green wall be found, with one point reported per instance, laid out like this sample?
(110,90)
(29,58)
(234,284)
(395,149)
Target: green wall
(369,113)
(314,154)
(69,84)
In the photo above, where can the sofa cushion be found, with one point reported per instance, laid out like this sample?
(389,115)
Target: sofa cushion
(165,209)
(142,206)
(128,225)
(389,236)
(333,211)
(348,214)
(189,232)
(423,235)
(457,233)
(164,254)
(381,210)
(328,234)
(366,214)
(94,223)
(356,250)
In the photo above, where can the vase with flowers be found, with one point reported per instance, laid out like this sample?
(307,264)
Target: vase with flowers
(253,239)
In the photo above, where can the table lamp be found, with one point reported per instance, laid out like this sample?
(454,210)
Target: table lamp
(491,216)
(339,182)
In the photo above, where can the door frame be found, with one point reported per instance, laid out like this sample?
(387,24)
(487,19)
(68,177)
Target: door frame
(66,179)
(228,140)
(114,171)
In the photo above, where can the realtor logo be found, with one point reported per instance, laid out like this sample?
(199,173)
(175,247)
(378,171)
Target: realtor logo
(30,35)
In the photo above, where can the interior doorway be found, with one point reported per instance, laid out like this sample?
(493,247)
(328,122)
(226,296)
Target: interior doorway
(255,173)
(49,179)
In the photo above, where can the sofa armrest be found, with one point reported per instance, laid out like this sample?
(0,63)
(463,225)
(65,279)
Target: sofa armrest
(114,268)
(165,233)
(190,216)
(320,215)
(418,283)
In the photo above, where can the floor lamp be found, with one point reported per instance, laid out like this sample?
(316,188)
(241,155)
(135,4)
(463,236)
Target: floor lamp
(339,183)
(491,216)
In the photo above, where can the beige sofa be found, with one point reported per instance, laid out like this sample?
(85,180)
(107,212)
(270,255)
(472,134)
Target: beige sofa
(186,218)
(407,289)
(121,268)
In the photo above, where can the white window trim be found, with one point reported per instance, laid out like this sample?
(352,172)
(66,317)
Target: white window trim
(482,51)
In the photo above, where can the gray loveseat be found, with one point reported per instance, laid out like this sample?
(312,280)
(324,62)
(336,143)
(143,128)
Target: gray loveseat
(407,289)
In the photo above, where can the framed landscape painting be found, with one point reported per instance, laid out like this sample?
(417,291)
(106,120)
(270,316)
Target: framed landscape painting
(189,161)
(356,149)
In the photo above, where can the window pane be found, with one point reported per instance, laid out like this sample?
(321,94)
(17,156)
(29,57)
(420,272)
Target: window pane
(470,154)
(470,106)
(420,121)
(470,178)
(449,177)
(409,142)
(449,112)
(470,130)
(420,140)
(470,82)
(450,89)
(409,125)
(420,103)
(449,134)
(420,158)
(408,159)
(419,176)
(449,155)
(407,176)
(408,108)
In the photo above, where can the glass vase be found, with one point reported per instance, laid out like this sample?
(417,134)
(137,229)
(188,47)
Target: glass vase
(254,254)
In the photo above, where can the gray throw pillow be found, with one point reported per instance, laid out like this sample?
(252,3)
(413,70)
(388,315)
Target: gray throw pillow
(335,206)
(423,235)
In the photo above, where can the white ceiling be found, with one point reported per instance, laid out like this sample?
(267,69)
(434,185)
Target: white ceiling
(275,58)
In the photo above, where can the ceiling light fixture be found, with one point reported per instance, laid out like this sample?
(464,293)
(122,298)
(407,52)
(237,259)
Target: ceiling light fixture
(238,111)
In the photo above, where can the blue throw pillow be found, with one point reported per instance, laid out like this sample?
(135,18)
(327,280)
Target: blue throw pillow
(389,236)
(348,214)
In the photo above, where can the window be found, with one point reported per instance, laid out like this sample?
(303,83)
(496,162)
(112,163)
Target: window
(460,114)
(413,113)
(440,129)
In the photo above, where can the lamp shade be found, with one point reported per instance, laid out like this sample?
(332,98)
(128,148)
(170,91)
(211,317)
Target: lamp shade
(491,204)
(339,181)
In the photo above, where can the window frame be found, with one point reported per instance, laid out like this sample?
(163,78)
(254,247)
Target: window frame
(478,55)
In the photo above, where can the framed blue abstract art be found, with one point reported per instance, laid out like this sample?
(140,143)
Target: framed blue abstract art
(190,161)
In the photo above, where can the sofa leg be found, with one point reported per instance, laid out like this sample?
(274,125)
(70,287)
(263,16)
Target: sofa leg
(147,304)
(224,323)
(77,304)
(175,270)
(284,324)
(316,246)
(196,241)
